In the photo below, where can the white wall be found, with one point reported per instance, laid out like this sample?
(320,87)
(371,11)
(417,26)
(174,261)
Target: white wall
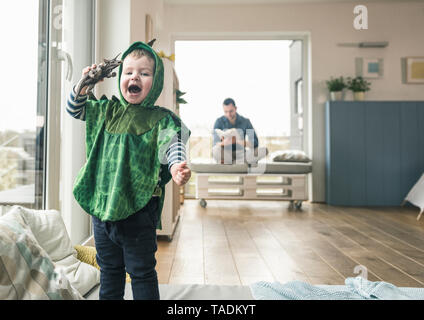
(400,23)
(139,10)
(119,24)
(113,27)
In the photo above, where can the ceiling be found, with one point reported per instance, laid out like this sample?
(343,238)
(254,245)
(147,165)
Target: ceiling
(180,2)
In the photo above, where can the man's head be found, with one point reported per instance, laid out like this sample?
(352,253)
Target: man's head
(136,79)
(230,109)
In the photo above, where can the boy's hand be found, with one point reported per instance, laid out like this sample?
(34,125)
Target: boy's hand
(180,173)
(85,71)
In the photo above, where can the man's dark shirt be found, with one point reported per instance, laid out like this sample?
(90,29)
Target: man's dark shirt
(242,124)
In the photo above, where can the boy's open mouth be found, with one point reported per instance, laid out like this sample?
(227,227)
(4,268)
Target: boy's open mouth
(134,89)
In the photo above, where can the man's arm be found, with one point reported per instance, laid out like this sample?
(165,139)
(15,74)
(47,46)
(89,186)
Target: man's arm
(217,125)
(249,130)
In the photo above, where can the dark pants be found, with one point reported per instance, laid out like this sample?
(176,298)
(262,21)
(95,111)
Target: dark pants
(128,245)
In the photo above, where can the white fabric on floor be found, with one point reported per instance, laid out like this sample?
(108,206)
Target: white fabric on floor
(416,195)
(189,292)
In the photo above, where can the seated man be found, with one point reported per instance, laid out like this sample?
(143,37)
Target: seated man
(229,138)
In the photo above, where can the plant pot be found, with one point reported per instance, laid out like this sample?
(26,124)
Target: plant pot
(336,95)
(359,96)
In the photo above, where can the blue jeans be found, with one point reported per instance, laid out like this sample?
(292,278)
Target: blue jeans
(128,245)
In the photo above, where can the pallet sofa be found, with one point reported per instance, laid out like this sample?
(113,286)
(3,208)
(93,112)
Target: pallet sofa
(266,180)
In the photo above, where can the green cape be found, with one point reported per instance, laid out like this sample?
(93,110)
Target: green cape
(126,146)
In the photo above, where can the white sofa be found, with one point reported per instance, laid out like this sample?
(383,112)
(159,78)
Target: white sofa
(37,259)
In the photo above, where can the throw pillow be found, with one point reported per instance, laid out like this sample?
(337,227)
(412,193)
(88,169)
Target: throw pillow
(87,254)
(26,271)
(290,156)
(51,234)
(49,230)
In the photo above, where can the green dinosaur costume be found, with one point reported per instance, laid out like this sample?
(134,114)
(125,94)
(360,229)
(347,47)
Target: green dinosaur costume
(126,146)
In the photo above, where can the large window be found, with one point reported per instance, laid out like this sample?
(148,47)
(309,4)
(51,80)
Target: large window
(45,45)
(23,85)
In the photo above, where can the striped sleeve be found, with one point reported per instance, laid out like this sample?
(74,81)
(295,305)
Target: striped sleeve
(76,107)
(176,153)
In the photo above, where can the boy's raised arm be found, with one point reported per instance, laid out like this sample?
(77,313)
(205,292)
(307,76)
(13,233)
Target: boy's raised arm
(76,107)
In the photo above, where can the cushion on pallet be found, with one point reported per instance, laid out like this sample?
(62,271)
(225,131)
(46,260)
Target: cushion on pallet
(263,166)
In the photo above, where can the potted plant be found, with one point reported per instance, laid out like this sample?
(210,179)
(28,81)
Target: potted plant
(336,86)
(358,86)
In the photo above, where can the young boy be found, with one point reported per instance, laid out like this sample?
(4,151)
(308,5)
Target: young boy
(133,150)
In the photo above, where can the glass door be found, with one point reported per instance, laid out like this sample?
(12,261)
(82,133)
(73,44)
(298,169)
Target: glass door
(45,45)
(24,103)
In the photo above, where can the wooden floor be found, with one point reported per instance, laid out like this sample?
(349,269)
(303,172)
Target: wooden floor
(240,242)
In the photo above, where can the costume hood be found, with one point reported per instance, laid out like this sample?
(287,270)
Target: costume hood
(157,84)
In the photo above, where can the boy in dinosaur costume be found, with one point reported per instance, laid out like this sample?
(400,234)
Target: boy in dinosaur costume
(133,149)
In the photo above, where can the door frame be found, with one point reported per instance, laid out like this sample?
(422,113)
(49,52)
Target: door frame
(304,36)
